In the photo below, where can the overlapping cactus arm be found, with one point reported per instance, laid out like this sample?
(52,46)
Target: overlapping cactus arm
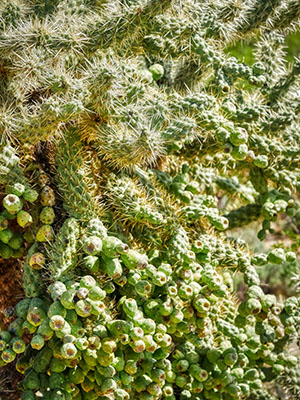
(75,185)
(133,144)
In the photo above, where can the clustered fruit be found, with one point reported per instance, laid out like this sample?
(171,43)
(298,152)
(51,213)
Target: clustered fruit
(133,324)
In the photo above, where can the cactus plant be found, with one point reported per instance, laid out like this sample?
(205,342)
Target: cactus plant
(133,145)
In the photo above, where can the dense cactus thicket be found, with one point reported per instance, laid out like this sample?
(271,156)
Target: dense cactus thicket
(132,144)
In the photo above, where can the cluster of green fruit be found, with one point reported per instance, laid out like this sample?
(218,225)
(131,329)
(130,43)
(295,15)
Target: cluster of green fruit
(12,237)
(162,339)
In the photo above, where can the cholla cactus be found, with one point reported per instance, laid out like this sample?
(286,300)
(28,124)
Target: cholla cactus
(132,145)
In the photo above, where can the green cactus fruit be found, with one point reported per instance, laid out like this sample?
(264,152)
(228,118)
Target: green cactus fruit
(154,389)
(130,367)
(182,365)
(159,278)
(69,339)
(82,293)
(261,161)
(138,346)
(83,308)
(81,343)
(68,350)
(30,195)
(144,288)
(36,312)
(15,327)
(87,282)
(37,261)
(5,214)
(133,259)
(72,317)
(150,344)
(112,246)
(24,219)
(29,237)
(230,356)
(108,345)
(251,374)
(121,394)
(45,330)
(168,390)
(92,245)
(112,267)
(18,346)
(238,136)
(42,360)
(22,308)
(27,327)
(130,307)
(47,215)
(37,342)
(96,227)
(96,293)
(18,253)
(57,322)
(222,135)
(57,365)
(56,290)
(56,380)
(22,364)
(157,71)
(76,376)
(56,308)
(98,307)
(47,197)
(251,277)
(6,252)
(8,355)
(67,299)
(92,263)
(291,257)
(239,153)
(202,305)
(45,233)
(16,241)
(6,235)
(109,287)
(213,355)
(94,343)
(220,223)
(12,203)
(253,306)
(255,292)
(119,327)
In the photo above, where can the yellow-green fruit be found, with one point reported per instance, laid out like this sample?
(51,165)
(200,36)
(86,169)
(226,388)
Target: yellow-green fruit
(12,203)
(37,342)
(47,197)
(37,261)
(44,234)
(157,71)
(47,215)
